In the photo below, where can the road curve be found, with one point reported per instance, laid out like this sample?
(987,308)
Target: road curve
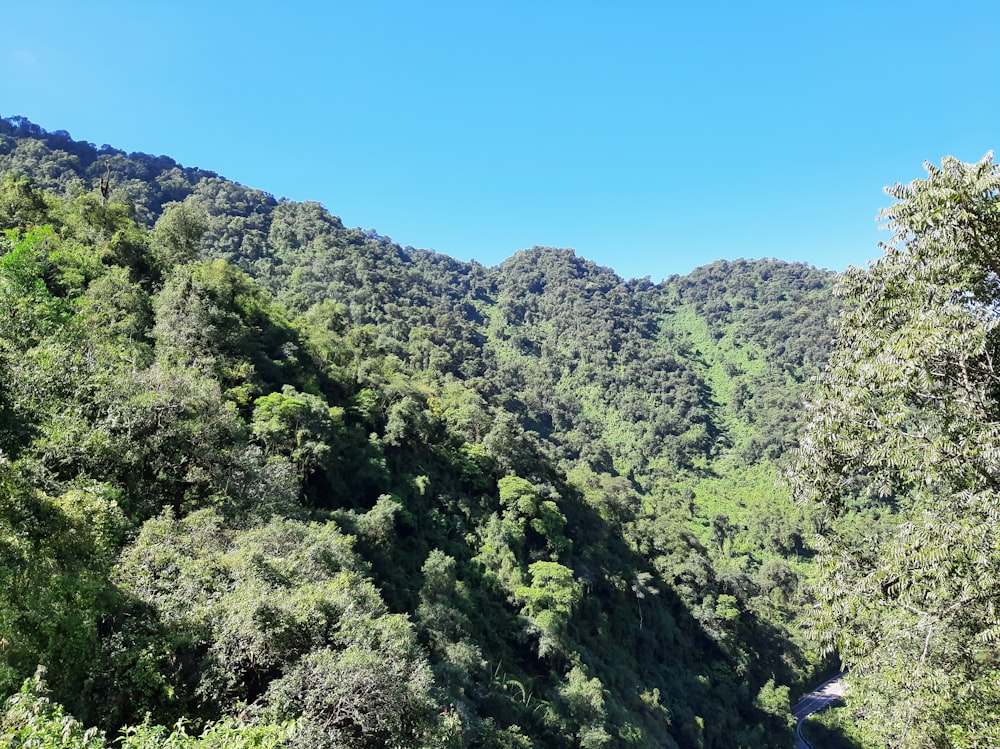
(813,702)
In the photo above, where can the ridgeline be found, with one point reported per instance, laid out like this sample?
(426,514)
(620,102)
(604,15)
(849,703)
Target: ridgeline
(290,482)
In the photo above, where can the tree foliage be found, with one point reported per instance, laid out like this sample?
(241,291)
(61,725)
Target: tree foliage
(907,419)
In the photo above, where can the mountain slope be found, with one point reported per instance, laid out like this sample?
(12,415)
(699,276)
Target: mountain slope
(286,469)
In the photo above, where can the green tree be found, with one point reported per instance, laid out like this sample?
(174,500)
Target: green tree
(212,317)
(299,425)
(283,615)
(177,233)
(55,556)
(20,204)
(31,720)
(549,600)
(579,709)
(908,415)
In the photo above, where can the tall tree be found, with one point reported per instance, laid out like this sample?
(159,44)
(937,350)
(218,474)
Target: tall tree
(906,421)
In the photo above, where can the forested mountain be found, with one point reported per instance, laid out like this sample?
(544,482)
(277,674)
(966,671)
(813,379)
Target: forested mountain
(293,483)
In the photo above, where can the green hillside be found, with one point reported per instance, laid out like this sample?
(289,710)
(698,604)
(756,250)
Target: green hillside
(291,483)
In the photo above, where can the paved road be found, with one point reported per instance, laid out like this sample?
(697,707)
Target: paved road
(813,702)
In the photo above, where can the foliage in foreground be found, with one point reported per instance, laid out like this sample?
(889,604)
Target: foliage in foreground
(833,728)
(31,720)
(905,432)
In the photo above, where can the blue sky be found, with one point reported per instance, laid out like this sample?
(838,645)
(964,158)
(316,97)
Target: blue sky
(651,137)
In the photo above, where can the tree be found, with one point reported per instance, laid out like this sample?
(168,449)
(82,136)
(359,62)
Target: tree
(55,554)
(374,692)
(20,204)
(177,233)
(549,601)
(579,709)
(299,425)
(212,317)
(30,719)
(907,415)
(282,614)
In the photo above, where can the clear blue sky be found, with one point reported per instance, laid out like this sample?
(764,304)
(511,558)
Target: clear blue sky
(651,137)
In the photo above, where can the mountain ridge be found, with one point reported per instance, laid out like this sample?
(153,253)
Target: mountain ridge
(551,491)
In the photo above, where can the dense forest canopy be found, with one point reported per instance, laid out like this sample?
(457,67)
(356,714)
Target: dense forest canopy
(270,480)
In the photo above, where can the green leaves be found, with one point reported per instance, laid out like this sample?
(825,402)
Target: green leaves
(299,425)
(211,316)
(286,616)
(55,558)
(177,234)
(28,309)
(908,415)
(550,596)
(30,720)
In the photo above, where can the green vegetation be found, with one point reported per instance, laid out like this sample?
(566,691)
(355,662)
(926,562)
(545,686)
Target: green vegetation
(268,480)
(901,453)
(269,476)
(833,728)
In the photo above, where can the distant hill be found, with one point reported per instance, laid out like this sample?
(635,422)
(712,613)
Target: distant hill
(287,469)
